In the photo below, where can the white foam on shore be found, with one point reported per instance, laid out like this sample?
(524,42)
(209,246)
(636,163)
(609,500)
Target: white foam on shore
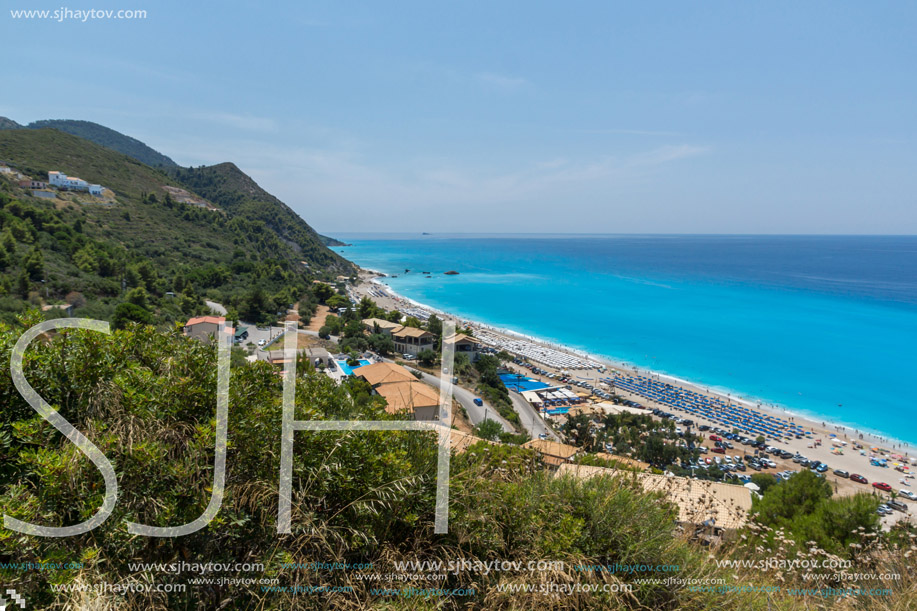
(812,420)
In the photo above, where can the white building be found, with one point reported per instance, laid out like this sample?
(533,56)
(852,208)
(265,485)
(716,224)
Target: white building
(71,183)
(95,189)
(57,179)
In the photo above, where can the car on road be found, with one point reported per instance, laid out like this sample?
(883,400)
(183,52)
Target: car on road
(882,486)
(841,473)
(478,401)
(407,357)
(907,494)
(542,436)
(261,342)
(856,477)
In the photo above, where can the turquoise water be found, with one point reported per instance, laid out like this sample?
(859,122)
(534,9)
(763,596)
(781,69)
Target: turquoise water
(347,369)
(825,326)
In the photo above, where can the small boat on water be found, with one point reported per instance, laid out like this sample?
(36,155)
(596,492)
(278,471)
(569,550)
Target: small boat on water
(451,272)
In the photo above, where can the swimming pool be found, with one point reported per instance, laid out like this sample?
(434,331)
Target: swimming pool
(348,370)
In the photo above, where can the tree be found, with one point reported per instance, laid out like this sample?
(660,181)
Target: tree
(427,357)
(412,321)
(34,263)
(336,302)
(800,494)
(763,481)
(393,316)
(138,296)
(381,343)
(461,363)
(22,285)
(322,291)
(435,326)
(488,429)
(366,307)
(324,332)
(127,313)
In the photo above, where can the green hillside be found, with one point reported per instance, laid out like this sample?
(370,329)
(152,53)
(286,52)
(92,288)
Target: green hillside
(8,124)
(108,138)
(235,191)
(99,254)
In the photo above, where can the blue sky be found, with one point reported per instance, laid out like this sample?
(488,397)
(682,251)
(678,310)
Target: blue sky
(650,117)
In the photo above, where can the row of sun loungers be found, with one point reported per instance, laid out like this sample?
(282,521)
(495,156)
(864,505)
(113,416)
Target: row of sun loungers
(535,352)
(730,415)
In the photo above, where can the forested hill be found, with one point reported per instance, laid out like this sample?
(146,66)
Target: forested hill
(108,138)
(236,192)
(147,232)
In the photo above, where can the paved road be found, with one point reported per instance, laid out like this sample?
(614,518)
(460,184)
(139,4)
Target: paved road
(216,308)
(531,420)
(476,413)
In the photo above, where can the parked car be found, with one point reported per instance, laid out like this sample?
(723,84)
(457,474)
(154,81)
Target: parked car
(856,477)
(261,342)
(897,505)
(908,494)
(719,450)
(841,473)
(882,486)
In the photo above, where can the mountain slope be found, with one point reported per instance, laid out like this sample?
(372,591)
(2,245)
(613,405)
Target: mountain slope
(236,192)
(140,236)
(8,124)
(108,138)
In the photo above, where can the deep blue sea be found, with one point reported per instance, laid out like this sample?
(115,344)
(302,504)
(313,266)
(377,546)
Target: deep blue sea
(822,325)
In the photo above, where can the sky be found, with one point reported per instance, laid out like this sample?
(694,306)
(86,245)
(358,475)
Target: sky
(584,116)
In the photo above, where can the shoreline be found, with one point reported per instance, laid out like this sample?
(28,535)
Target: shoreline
(821,425)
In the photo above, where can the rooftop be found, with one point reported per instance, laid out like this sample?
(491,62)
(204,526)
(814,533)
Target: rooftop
(460,338)
(407,395)
(383,324)
(410,332)
(214,320)
(384,373)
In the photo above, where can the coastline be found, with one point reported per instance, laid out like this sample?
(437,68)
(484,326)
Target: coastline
(821,426)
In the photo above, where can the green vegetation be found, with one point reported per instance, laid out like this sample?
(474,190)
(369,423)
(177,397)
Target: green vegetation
(93,256)
(109,138)
(147,399)
(488,429)
(6,123)
(634,435)
(803,508)
(240,196)
(492,388)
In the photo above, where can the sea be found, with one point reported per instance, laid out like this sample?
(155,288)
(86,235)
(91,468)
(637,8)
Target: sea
(823,326)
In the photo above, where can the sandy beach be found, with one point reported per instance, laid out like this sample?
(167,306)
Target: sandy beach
(851,460)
